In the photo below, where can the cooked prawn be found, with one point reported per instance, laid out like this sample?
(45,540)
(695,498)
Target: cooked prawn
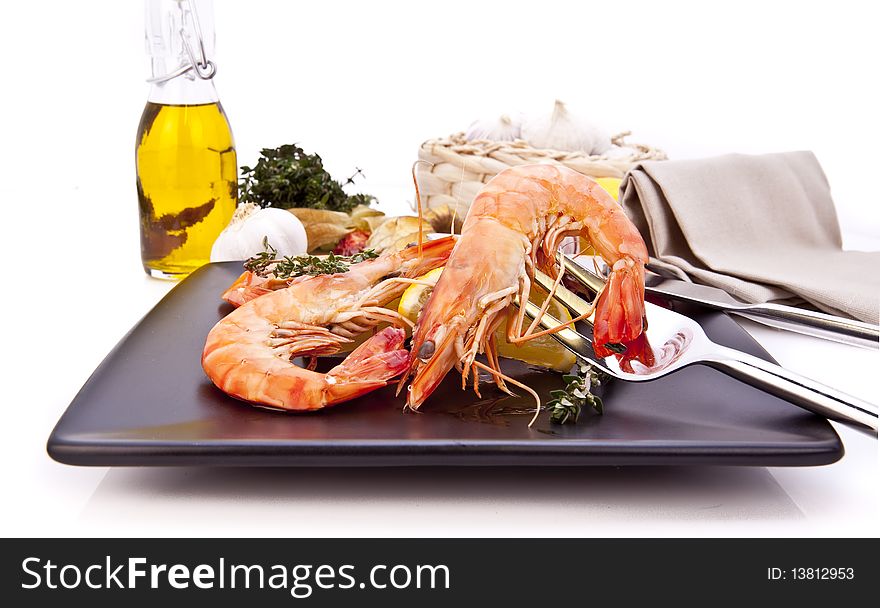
(514,226)
(249,353)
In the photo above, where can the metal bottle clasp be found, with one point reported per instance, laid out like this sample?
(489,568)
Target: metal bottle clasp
(201,65)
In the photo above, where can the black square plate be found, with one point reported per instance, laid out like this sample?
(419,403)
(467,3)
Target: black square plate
(149,403)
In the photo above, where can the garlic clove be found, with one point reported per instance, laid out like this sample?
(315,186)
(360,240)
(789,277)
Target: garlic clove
(503,128)
(602,142)
(565,131)
(614,151)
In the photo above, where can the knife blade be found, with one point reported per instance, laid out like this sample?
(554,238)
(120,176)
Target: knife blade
(788,318)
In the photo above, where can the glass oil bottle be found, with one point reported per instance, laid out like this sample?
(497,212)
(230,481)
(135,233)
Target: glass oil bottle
(185,154)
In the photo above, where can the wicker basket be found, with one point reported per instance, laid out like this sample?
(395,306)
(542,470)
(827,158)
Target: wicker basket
(456,168)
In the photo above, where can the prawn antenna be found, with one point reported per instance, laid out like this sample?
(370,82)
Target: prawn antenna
(419,200)
(507,378)
(455,209)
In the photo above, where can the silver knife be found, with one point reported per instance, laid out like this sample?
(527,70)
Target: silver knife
(818,324)
(789,318)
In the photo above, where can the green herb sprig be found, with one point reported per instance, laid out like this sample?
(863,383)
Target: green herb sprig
(288,267)
(287,177)
(567,403)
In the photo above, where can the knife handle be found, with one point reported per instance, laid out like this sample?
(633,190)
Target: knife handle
(800,390)
(812,323)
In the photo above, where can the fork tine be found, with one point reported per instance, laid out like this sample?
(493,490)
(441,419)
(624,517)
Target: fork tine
(570,337)
(580,345)
(585,277)
(575,305)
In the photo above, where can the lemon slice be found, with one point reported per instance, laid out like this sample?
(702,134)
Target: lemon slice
(414,297)
(543,351)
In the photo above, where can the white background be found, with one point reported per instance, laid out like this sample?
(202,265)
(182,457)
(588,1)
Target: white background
(363,84)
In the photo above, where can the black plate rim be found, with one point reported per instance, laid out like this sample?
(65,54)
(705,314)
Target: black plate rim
(73,449)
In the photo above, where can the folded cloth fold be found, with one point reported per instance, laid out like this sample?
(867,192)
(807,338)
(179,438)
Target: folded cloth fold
(760,227)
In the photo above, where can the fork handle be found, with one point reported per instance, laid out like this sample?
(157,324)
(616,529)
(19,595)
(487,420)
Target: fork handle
(808,394)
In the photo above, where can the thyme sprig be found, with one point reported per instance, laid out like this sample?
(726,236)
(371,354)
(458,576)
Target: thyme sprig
(288,267)
(567,403)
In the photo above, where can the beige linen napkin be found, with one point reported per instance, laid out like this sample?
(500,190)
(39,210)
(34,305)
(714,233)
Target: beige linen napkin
(760,227)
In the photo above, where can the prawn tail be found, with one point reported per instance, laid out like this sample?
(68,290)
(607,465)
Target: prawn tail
(434,254)
(370,366)
(620,310)
(245,288)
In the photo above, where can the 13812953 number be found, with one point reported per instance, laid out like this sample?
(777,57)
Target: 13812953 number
(822,574)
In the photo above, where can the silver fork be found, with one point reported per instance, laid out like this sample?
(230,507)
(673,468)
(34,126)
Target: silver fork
(679,341)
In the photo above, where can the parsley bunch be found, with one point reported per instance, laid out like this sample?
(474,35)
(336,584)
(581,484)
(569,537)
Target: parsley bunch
(287,177)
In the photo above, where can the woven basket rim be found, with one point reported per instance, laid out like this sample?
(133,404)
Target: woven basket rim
(458,143)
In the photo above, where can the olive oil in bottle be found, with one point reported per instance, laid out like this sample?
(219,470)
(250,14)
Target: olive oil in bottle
(186,184)
(185,154)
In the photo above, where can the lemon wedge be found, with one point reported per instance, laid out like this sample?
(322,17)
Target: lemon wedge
(543,351)
(611,185)
(414,297)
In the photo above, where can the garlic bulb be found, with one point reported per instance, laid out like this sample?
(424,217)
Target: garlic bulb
(565,131)
(503,128)
(243,237)
(618,152)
